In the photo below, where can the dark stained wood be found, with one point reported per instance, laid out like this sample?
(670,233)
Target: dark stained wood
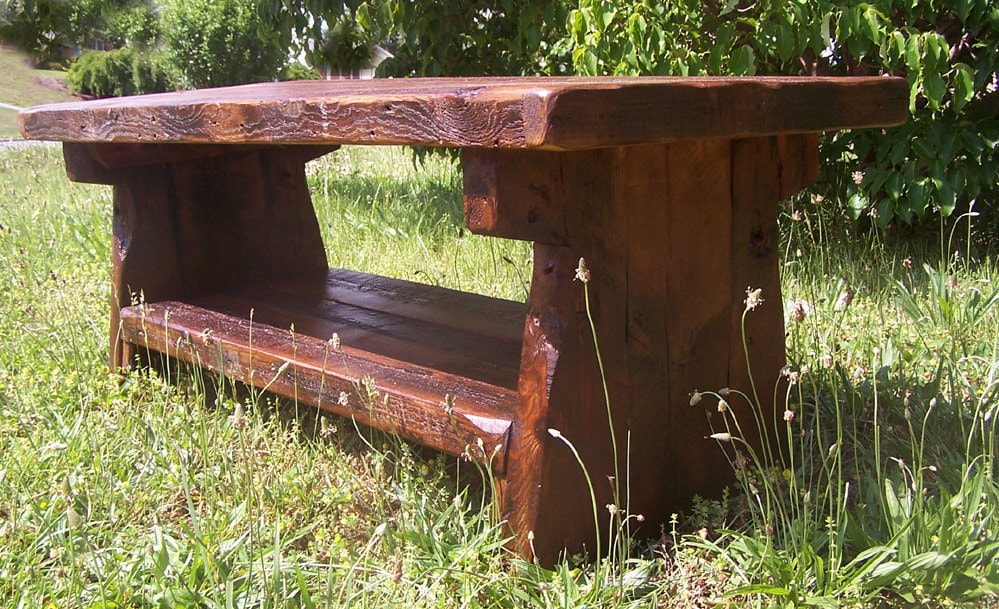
(524,182)
(101,157)
(552,113)
(661,266)
(756,190)
(146,263)
(246,218)
(799,162)
(447,412)
(699,306)
(668,188)
(195,227)
(405,321)
(669,275)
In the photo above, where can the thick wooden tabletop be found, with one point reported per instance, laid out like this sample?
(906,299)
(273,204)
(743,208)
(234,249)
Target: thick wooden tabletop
(550,113)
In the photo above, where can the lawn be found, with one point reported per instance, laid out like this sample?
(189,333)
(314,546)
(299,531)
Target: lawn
(176,490)
(23,86)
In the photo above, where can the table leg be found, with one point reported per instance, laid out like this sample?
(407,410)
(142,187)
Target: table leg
(191,220)
(672,235)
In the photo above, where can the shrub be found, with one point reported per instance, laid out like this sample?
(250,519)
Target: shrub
(214,43)
(297,71)
(116,73)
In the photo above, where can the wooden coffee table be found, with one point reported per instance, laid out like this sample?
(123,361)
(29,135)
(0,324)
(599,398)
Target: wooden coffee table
(668,187)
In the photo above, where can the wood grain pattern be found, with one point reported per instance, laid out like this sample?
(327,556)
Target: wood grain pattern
(756,190)
(673,234)
(462,334)
(512,194)
(798,156)
(541,112)
(443,411)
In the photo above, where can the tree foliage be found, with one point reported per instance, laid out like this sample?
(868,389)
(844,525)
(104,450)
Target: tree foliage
(943,159)
(457,38)
(44,27)
(214,43)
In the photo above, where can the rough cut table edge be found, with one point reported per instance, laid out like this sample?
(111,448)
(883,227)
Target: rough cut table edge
(532,112)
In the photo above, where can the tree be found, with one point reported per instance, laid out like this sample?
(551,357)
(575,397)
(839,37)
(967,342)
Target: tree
(44,27)
(214,43)
(430,38)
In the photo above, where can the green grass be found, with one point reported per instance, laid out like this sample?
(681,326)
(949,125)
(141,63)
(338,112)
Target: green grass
(20,86)
(152,492)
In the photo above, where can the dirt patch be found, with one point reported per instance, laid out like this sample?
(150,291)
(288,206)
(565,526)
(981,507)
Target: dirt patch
(52,83)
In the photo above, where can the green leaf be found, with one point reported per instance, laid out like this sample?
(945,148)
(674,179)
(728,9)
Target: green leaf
(785,42)
(758,589)
(825,31)
(885,213)
(919,196)
(928,561)
(964,86)
(934,88)
(894,185)
(936,53)
(870,24)
(363,17)
(963,8)
(856,205)
(912,54)
(607,18)
(743,61)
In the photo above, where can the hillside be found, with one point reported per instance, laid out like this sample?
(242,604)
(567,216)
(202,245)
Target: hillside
(22,86)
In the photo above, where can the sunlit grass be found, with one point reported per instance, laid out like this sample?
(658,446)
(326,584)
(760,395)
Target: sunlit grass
(146,493)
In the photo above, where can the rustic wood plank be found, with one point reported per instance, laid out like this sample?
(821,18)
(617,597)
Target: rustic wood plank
(436,409)
(540,112)
(188,228)
(459,311)
(245,218)
(561,387)
(799,162)
(461,334)
(699,306)
(663,265)
(101,157)
(523,180)
(145,261)
(757,188)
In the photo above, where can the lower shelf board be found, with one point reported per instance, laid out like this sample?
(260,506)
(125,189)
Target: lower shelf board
(435,366)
